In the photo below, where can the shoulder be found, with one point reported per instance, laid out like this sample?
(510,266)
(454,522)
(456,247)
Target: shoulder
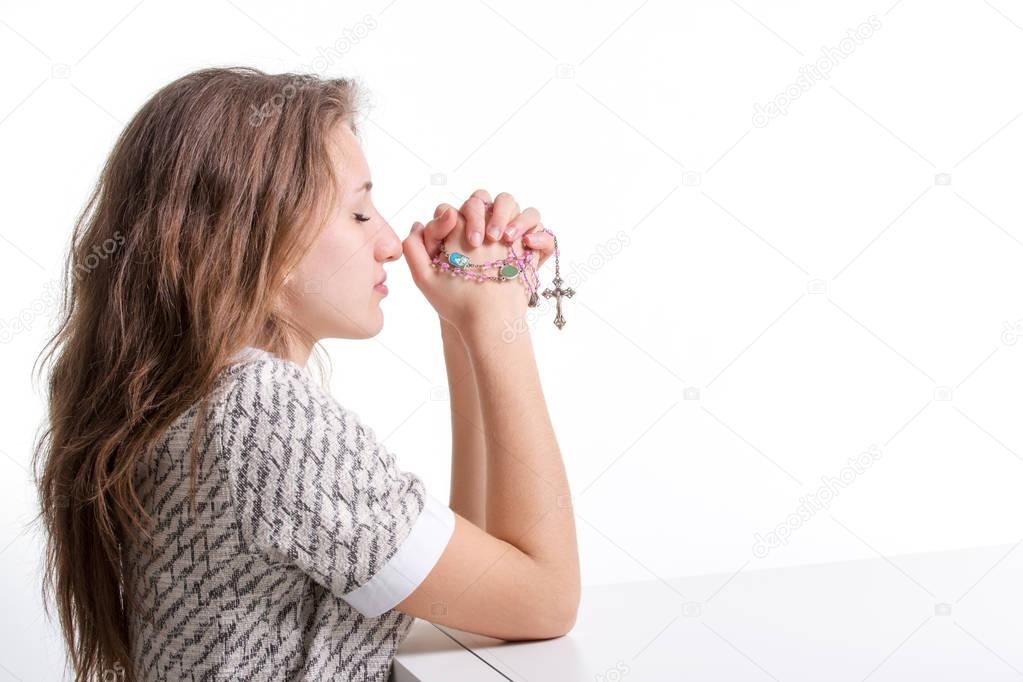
(266,390)
(263,376)
(268,397)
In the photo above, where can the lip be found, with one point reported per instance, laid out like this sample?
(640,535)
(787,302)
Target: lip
(380,286)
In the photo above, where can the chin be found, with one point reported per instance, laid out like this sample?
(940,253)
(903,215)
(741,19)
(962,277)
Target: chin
(351,326)
(373,331)
(371,325)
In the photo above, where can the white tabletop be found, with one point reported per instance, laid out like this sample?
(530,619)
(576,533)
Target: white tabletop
(954,615)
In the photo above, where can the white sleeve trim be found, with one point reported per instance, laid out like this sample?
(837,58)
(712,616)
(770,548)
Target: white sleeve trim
(410,565)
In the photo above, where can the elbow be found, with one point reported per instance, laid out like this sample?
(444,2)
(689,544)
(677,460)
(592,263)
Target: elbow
(561,620)
(556,619)
(562,623)
(571,612)
(557,595)
(567,621)
(566,600)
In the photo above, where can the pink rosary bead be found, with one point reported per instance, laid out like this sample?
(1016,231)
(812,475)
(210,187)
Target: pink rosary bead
(515,263)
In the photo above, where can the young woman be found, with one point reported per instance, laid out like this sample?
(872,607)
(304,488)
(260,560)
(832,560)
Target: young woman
(211,511)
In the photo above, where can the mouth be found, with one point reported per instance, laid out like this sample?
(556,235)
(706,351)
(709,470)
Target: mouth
(380,286)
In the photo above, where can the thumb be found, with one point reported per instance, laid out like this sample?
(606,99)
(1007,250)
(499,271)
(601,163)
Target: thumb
(414,248)
(541,242)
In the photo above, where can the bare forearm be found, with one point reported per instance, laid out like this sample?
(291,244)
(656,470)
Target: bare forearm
(468,448)
(528,496)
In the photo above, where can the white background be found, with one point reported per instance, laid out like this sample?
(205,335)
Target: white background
(845,276)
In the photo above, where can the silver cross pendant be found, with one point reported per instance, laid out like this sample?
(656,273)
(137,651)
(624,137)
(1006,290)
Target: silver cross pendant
(558,292)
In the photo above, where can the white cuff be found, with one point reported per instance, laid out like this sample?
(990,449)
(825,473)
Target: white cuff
(410,565)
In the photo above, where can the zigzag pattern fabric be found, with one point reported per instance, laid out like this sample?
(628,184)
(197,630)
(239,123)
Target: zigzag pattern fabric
(298,505)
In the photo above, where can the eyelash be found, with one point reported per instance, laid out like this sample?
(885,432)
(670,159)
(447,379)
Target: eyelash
(361,218)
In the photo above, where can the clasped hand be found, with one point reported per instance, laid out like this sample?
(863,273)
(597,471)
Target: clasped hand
(483,229)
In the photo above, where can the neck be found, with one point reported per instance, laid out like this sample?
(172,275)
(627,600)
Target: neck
(298,352)
(294,350)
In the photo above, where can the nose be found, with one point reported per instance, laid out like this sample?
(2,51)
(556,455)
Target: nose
(388,245)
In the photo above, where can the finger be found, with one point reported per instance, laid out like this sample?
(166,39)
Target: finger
(484,196)
(488,206)
(541,242)
(521,223)
(440,209)
(505,208)
(414,248)
(446,220)
(474,212)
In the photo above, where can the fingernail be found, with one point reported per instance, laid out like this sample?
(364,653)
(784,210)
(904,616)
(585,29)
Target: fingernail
(494,231)
(511,231)
(475,238)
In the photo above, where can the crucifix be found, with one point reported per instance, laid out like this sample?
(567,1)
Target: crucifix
(559,292)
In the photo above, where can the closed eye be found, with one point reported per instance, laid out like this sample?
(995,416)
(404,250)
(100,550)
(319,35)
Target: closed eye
(361,218)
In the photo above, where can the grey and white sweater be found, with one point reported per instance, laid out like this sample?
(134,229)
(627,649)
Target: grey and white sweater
(306,535)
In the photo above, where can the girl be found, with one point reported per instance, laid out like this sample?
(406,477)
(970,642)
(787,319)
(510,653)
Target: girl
(211,511)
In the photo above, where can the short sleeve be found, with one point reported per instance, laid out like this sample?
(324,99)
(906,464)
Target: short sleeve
(314,488)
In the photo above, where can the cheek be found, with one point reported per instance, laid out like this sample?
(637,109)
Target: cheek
(335,261)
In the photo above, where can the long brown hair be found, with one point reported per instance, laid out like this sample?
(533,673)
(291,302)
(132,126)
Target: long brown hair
(211,194)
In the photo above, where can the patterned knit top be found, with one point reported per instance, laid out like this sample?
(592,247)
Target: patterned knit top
(305,535)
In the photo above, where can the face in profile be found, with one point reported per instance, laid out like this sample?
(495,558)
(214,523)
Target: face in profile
(332,292)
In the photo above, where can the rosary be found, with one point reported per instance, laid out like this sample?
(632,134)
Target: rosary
(508,269)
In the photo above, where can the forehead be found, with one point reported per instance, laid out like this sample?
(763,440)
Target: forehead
(349,161)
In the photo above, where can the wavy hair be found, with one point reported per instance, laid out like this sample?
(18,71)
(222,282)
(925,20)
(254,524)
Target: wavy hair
(211,195)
